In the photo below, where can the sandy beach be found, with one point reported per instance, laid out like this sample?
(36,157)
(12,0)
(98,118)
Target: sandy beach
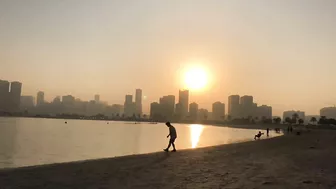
(306,161)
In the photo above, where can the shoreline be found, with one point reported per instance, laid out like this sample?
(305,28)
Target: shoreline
(290,161)
(238,126)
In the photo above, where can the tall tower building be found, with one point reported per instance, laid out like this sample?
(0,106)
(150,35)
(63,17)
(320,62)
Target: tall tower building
(182,107)
(40,98)
(218,111)
(4,95)
(138,101)
(15,95)
(97,98)
(129,106)
(234,106)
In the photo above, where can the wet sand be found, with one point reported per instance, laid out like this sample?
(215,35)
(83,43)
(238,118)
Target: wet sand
(306,161)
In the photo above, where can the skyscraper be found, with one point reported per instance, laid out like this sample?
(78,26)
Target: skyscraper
(138,101)
(182,107)
(234,106)
(40,98)
(15,95)
(193,110)
(129,106)
(4,95)
(167,105)
(218,111)
(155,109)
(97,98)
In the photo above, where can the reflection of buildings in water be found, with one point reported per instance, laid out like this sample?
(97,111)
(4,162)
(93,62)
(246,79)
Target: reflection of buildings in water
(8,132)
(195,134)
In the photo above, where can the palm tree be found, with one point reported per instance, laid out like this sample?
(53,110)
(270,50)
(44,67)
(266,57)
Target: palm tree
(313,120)
(275,120)
(144,116)
(278,120)
(300,121)
(288,120)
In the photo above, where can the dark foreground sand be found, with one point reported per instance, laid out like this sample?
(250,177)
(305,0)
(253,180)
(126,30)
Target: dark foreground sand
(306,161)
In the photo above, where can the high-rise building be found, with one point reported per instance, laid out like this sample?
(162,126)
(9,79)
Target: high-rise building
(68,100)
(234,106)
(193,110)
(27,102)
(40,98)
(203,114)
(138,101)
(182,107)
(97,98)
(155,110)
(218,111)
(167,106)
(4,95)
(328,112)
(129,106)
(15,95)
(247,107)
(264,112)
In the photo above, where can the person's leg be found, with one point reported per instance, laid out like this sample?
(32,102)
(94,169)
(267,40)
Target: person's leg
(173,146)
(169,145)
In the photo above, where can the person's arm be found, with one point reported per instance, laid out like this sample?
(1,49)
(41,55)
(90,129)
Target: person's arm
(169,133)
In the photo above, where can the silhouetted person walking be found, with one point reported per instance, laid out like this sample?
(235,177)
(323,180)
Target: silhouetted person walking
(173,136)
(267,131)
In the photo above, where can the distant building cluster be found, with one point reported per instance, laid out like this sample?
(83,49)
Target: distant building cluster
(244,107)
(239,107)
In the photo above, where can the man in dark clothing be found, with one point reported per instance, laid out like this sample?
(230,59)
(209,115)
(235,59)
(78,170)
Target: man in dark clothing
(173,136)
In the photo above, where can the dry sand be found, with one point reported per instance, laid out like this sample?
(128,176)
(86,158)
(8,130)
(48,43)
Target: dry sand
(306,161)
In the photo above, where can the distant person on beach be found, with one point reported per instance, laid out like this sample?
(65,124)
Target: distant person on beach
(258,135)
(173,136)
(267,130)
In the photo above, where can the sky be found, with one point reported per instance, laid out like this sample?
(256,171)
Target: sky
(281,52)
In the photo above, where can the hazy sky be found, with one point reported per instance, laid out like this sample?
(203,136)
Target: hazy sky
(281,52)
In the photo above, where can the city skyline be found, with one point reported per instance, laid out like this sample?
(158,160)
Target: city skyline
(237,106)
(281,52)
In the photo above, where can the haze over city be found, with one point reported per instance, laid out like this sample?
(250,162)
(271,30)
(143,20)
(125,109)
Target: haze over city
(281,52)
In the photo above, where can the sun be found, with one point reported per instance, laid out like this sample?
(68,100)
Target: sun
(195,78)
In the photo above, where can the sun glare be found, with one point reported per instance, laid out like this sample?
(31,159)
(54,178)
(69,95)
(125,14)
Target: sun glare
(195,79)
(195,134)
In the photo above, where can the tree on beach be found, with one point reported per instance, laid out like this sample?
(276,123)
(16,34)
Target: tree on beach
(277,120)
(313,120)
(288,120)
(300,121)
(295,117)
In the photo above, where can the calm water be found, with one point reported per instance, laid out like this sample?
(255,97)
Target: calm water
(25,142)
